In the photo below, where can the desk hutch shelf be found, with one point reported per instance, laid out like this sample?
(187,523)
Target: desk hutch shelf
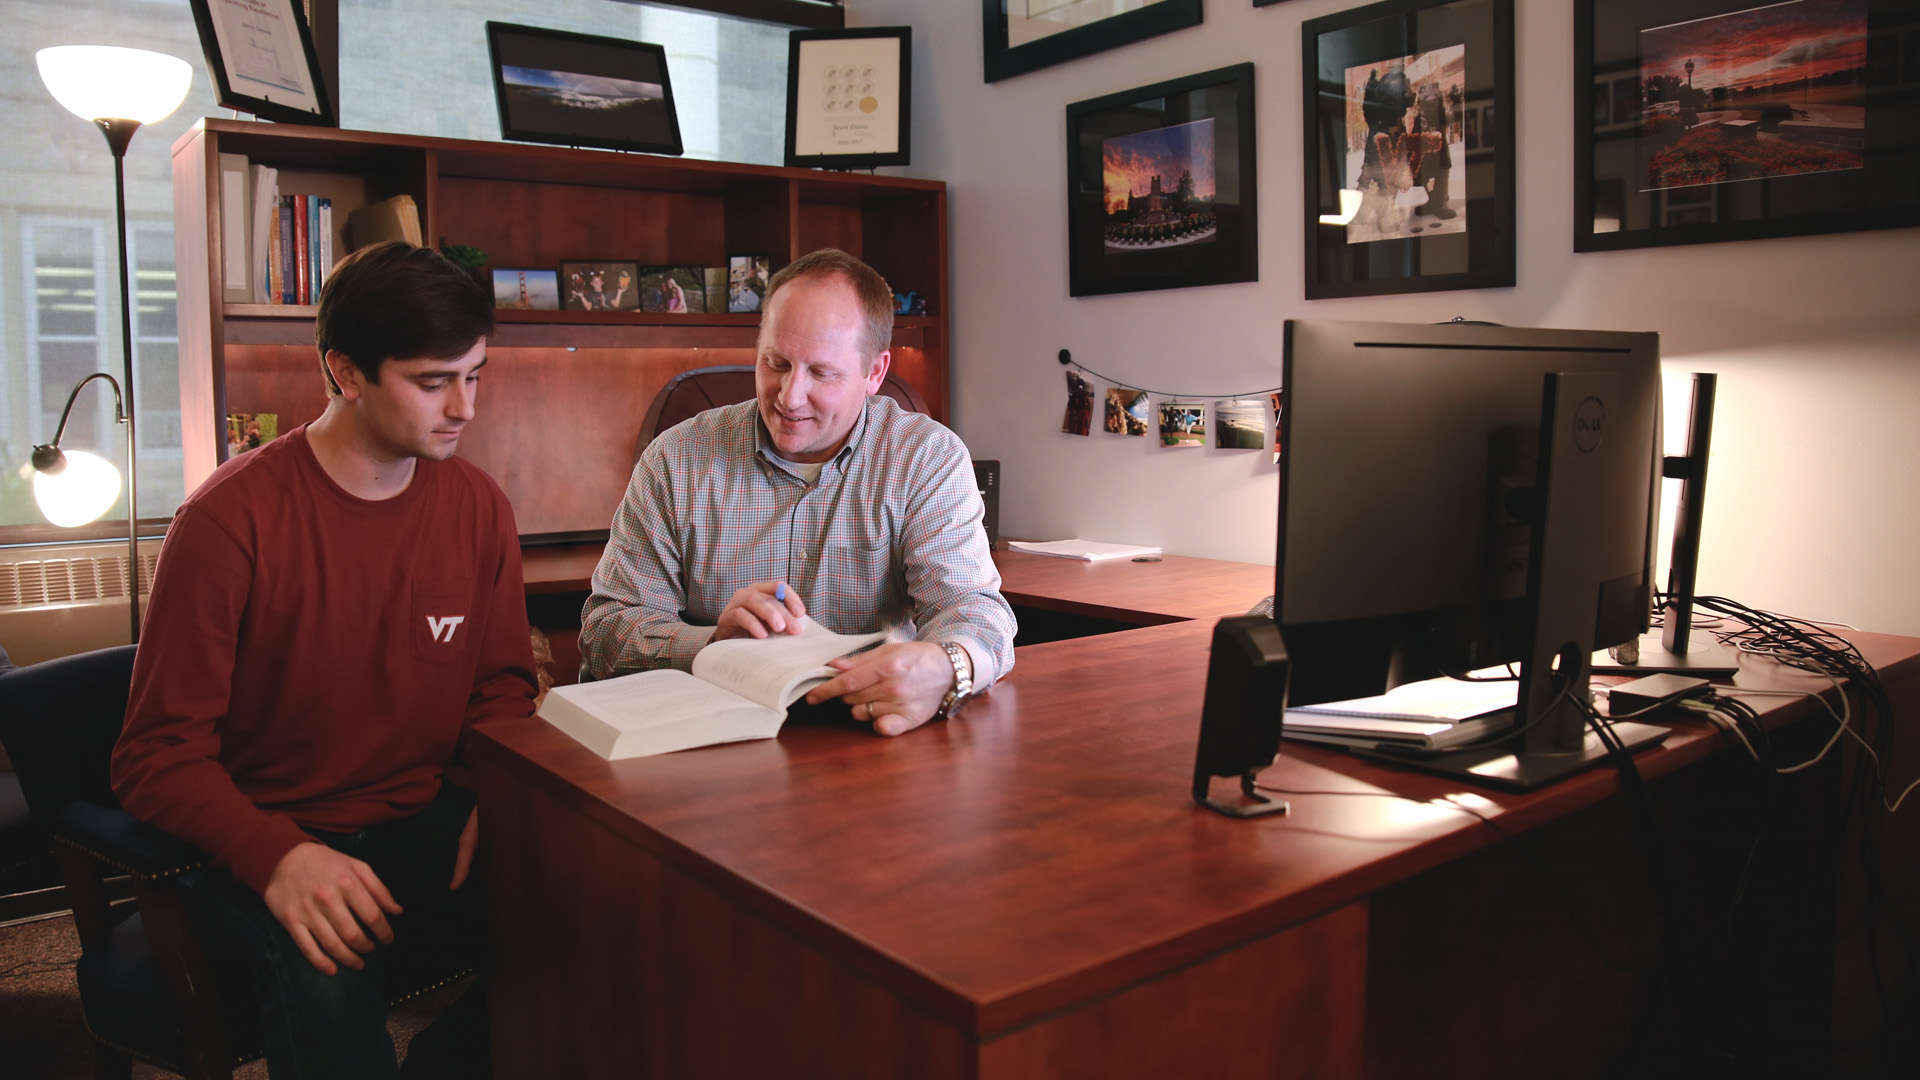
(565,391)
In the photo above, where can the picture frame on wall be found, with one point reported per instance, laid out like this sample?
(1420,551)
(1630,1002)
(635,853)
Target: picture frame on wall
(1161,186)
(849,99)
(1025,35)
(261,58)
(1397,201)
(1684,137)
(553,86)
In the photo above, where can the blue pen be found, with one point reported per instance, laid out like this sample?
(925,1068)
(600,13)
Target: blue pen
(780,592)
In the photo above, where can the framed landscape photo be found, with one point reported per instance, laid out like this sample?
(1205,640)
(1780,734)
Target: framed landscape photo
(579,90)
(1409,148)
(848,100)
(525,290)
(1161,190)
(260,55)
(1025,35)
(1700,121)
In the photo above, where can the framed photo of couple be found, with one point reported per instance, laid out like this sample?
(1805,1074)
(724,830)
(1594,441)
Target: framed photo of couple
(1397,200)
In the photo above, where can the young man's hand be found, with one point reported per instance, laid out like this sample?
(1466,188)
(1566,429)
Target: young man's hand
(329,902)
(895,687)
(463,855)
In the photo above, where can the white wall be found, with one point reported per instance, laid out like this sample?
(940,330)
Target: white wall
(1814,501)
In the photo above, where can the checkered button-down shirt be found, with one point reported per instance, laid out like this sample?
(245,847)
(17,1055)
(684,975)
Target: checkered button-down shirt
(888,538)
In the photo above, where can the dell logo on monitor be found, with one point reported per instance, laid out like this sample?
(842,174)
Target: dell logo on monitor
(1589,424)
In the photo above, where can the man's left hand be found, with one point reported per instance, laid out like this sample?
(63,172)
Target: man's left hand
(895,687)
(463,855)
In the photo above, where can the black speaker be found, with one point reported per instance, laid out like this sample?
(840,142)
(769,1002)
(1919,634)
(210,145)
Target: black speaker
(1245,707)
(987,475)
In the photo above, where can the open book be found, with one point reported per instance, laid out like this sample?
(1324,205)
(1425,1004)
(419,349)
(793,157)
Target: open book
(740,689)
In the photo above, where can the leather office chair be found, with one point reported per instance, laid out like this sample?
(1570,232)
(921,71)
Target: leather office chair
(147,989)
(696,391)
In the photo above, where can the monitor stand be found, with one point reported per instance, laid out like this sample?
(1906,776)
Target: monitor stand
(1705,658)
(1503,768)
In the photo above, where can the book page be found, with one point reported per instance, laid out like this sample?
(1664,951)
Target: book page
(775,670)
(648,699)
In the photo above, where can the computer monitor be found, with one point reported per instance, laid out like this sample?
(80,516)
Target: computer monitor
(1459,496)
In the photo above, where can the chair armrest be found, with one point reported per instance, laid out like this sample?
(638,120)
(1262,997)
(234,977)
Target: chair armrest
(116,838)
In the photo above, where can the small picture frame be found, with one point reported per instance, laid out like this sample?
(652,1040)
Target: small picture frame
(673,290)
(848,97)
(522,289)
(261,58)
(599,286)
(1682,137)
(1023,37)
(570,89)
(1161,187)
(1398,198)
(746,283)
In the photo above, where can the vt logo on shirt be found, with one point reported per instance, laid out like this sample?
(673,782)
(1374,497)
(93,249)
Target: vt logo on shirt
(441,629)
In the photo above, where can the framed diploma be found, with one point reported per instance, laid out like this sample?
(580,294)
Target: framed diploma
(847,97)
(260,54)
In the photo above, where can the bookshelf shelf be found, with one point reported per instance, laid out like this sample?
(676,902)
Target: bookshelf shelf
(585,378)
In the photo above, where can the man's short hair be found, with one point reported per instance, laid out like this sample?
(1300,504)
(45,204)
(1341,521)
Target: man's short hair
(395,301)
(876,298)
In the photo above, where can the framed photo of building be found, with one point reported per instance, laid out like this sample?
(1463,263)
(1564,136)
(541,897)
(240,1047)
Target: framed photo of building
(1025,35)
(580,90)
(1398,197)
(261,58)
(1707,120)
(1161,190)
(848,100)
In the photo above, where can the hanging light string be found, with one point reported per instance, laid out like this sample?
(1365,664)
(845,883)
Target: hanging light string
(1067,359)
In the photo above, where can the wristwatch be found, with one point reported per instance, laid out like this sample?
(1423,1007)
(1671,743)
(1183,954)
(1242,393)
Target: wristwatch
(962,678)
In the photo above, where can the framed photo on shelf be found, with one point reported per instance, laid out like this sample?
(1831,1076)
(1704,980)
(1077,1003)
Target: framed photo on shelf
(676,290)
(1397,200)
(1161,191)
(599,286)
(1026,35)
(261,57)
(580,90)
(525,290)
(848,97)
(1687,132)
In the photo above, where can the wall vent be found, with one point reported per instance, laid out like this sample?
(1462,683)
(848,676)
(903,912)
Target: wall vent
(61,599)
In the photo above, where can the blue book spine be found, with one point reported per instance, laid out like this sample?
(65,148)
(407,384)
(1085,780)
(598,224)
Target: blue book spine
(289,277)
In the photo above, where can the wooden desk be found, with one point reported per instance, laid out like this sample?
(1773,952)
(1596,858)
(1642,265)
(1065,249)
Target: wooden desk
(1027,891)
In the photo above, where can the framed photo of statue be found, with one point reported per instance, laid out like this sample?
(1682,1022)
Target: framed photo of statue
(1700,121)
(1409,148)
(1161,190)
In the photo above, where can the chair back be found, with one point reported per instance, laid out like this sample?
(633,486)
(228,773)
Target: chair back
(59,720)
(692,392)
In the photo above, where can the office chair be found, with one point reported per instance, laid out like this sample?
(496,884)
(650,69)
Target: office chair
(696,391)
(147,989)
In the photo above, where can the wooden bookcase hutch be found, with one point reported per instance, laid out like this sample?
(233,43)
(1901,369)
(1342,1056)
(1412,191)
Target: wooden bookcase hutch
(565,391)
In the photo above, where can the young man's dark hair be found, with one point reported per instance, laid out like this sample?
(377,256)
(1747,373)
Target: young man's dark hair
(394,299)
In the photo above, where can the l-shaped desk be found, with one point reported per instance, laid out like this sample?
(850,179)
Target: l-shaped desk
(1028,891)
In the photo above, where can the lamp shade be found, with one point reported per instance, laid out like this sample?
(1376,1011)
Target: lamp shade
(79,493)
(106,82)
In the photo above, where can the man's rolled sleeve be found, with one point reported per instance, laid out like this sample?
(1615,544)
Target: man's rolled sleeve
(950,573)
(632,621)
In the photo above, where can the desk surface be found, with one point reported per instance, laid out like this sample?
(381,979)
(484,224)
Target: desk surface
(1175,588)
(1041,850)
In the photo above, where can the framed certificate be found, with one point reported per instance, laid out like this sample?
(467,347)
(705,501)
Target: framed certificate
(260,54)
(847,97)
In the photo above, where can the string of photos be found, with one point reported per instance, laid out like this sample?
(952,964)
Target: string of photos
(1240,421)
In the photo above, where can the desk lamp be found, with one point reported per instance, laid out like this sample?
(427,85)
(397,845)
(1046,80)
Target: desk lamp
(119,90)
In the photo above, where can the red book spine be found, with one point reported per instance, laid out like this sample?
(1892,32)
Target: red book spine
(301,263)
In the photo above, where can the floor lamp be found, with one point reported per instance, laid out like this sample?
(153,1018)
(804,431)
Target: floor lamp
(119,90)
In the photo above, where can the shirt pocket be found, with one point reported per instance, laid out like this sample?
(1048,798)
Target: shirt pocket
(855,582)
(442,625)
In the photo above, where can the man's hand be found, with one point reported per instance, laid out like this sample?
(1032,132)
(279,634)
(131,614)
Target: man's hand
(324,899)
(896,687)
(762,608)
(463,855)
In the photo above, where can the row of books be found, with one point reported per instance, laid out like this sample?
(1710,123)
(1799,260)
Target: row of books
(278,247)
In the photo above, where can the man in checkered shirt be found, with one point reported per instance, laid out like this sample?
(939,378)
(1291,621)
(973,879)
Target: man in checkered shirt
(817,499)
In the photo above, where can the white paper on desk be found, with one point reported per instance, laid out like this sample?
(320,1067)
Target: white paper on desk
(1442,700)
(1084,550)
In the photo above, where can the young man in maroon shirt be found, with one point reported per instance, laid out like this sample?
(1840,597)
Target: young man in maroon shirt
(331,614)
